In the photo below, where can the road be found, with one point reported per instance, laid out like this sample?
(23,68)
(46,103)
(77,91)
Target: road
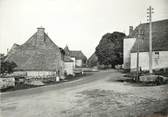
(98,95)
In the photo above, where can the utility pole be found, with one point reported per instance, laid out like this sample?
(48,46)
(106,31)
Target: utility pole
(150,11)
(139,37)
(137,58)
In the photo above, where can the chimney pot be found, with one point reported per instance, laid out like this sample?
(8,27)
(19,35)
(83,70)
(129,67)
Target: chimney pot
(40,29)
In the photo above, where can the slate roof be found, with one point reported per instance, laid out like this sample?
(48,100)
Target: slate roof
(67,59)
(93,60)
(75,54)
(67,51)
(159,40)
(93,57)
(39,52)
(78,55)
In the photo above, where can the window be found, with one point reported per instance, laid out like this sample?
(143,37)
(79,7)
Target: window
(156,55)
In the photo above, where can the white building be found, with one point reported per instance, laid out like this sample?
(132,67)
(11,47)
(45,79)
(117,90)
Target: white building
(128,44)
(68,65)
(78,57)
(159,60)
(159,47)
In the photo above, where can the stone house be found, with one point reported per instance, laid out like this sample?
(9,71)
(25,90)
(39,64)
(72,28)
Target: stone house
(39,56)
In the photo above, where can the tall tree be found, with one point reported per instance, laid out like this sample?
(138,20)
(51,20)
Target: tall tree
(110,49)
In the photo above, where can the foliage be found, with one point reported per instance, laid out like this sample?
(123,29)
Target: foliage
(110,49)
(6,66)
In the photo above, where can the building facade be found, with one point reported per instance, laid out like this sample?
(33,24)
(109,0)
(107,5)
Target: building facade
(159,60)
(68,66)
(39,56)
(78,57)
(128,44)
(159,47)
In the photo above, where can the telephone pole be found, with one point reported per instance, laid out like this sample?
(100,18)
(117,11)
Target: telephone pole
(150,11)
(139,37)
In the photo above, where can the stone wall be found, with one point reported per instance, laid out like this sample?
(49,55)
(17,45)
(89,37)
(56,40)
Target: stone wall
(7,82)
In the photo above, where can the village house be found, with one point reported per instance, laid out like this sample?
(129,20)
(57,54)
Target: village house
(39,56)
(68,66)
(159,47)
(68,63)
(77,56)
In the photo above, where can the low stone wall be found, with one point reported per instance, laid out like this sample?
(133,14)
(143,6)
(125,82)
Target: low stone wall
(153,78)
(7,82)
(29,79)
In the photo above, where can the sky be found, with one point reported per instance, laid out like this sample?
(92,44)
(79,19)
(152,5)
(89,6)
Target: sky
(80,24)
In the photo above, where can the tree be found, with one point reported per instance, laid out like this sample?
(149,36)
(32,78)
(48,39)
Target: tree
(110,49)
(6,66)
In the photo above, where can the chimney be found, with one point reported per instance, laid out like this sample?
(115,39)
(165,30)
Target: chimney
(40,33)
(130,31)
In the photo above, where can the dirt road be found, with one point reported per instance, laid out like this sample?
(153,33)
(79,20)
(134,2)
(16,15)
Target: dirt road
(98,95)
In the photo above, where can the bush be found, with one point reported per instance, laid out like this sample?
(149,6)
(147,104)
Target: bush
(7,67)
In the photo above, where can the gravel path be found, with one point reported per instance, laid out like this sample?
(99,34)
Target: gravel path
(97,96)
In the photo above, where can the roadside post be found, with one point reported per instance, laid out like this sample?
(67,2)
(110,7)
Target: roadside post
(150,12)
